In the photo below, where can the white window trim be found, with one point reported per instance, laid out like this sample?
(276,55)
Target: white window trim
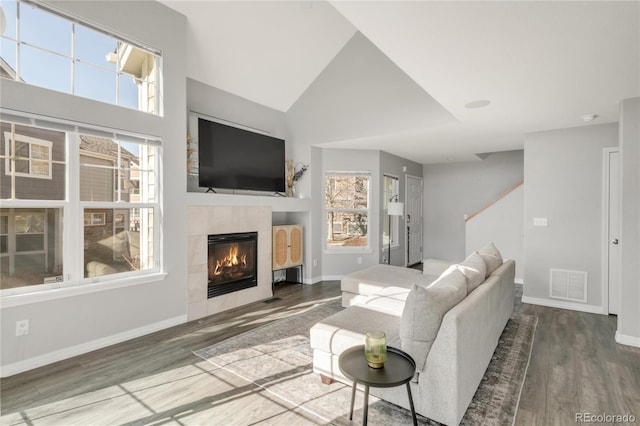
(347,249)
(8,142)
(395,220)
(74,282)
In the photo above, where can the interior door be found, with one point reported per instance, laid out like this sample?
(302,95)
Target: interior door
(613,228)
(414,219)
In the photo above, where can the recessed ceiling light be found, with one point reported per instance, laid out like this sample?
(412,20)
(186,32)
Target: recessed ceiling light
(589,117)
(480,103)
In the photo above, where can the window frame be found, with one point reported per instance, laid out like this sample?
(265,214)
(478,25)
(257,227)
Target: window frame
(9,144)
(73,281)
(152,83)
(395,220)
(328,249)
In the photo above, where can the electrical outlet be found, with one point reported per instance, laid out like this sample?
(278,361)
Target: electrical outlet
(22,327)
(359,260)
(540,221)
(315,262)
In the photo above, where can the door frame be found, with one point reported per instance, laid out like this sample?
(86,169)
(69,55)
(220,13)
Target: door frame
(406,222)
(606,180)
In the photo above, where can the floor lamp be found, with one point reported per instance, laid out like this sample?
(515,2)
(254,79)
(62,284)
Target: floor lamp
(394,208)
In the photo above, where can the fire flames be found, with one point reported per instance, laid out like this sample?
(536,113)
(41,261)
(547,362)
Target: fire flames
(231,260)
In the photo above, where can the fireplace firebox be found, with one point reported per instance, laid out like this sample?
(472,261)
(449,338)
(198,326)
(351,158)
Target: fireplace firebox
(232,263)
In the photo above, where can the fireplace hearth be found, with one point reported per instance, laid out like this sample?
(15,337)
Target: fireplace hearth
(232,263)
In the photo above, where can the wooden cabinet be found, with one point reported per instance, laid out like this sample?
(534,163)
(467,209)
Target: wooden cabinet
(287,246)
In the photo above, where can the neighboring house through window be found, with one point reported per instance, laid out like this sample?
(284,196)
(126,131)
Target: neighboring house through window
(347,210)
(112,208)
(32,156)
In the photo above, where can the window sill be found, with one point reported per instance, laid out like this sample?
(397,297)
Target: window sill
(353,250)
(12,300)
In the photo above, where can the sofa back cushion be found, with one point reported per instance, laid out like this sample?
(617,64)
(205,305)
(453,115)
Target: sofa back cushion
(474,269)
(491,256)
(423,312)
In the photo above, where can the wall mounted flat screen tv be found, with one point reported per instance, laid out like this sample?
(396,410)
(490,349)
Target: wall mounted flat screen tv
(233,158)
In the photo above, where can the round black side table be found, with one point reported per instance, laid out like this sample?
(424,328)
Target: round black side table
(398,370)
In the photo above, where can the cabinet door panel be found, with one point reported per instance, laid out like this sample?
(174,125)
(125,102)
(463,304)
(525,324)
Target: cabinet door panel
(295,246)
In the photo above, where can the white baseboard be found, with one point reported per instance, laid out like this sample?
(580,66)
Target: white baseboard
(564,305)
(332,277)
(624,339)
(312,280)
(62,354)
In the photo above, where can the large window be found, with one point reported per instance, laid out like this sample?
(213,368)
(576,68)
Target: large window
(43,47)
(347,210)
(96,215)
(391,190)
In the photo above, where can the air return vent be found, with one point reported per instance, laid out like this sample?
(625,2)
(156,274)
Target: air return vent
(568,285)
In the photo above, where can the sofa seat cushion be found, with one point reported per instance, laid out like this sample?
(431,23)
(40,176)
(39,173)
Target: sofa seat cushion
(375,278)
(424,310)
(389,300)
(348,327)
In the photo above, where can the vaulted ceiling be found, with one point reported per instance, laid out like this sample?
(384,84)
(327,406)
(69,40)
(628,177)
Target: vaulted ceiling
(397,75)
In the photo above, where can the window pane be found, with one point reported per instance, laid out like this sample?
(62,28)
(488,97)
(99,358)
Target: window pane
(347,229)
(10,8)
(94,47)
(95,83)
(29,242)
(8,54)
(32,247)
(45,69)
(98,166)
(121,244)
(45,30)
(41,179)
(22,149)
(30,222)
(128,92)
(347,192)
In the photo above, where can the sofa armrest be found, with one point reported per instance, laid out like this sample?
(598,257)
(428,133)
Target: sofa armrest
(435,266)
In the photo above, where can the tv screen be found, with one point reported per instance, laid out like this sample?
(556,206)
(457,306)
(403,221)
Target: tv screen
(233,158)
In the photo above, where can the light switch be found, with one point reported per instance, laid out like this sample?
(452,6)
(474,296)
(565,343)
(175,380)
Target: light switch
(539,221)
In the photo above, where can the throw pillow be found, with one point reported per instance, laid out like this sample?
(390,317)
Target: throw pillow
(491,257)
(423,312)
(474,269)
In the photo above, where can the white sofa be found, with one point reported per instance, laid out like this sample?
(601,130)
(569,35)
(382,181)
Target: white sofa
(452,362)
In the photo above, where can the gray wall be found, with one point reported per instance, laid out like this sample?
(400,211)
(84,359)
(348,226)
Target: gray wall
(563,182)
(65,325)
(395,166)
(452,190)
(629,316)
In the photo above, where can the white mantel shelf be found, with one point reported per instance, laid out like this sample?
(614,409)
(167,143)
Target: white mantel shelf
(277,204)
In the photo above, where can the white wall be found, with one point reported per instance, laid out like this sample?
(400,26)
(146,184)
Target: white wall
(452,190)
(502,223)
(629,317)
(563,183)
(66,326)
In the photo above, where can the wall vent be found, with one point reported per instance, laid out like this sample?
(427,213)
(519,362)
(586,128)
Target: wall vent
(568,285)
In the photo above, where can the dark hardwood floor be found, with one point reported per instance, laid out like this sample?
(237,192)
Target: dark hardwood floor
(575,366)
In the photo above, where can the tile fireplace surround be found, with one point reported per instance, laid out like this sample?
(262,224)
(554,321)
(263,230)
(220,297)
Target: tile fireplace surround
(203,221)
